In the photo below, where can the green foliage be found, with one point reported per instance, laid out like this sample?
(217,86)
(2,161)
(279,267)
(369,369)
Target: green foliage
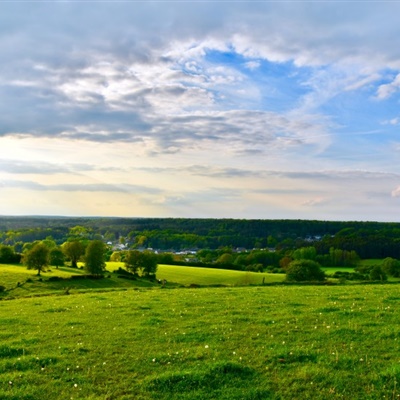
(73,250)
(145,262)
(37,257)
(225,258)
(304,270)
(149,263)
(8,255)
(377,274)
(305,253)
(349,276)
(94,257)
(391,267)
(165,258)
(367,239)
(57,257)
(79,232)
(133,261)
(343,258)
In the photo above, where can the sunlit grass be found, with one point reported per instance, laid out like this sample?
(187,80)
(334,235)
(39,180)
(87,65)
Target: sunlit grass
(212,276)
(305,342)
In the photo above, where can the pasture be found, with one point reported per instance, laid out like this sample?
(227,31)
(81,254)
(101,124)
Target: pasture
(271,342)
(213,276)
(23,282)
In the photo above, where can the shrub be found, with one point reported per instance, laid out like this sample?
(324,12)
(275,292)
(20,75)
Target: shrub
(391,266)
(304,270)
(86,276)
(350,276)
(377,274)
(55,278)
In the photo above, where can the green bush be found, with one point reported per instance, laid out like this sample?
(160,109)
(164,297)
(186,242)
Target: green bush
(377,274)
(304,270)
(391,267)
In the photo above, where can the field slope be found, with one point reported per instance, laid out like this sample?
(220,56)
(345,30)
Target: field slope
(321,342)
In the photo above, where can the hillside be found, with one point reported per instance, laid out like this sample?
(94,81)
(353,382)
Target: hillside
(225,343)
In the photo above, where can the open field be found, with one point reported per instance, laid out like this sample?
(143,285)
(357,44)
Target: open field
(210,276)
(210,343)
(11,275)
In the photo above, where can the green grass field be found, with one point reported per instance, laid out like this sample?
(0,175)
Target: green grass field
(302,342)
(211,276)
(22,282)
(120,339)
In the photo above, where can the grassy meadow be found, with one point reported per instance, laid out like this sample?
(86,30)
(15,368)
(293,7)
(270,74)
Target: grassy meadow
(121,339)
(22,282)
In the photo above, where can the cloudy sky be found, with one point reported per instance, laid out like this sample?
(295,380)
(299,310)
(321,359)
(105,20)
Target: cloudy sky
(240,109)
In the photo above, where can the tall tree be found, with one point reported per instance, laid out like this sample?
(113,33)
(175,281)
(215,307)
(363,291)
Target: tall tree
(149,264)
(94,257)
(133,261)
(74,250)
(37,257)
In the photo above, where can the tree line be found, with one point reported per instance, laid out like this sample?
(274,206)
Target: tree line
(367,239)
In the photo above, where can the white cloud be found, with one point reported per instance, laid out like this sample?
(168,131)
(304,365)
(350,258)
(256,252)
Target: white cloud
(252,65)
(393,121)
(386,90)
(255,92)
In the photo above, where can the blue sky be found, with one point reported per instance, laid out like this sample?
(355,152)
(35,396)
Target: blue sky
(200,109)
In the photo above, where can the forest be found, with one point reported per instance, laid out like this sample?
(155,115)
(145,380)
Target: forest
(367,239)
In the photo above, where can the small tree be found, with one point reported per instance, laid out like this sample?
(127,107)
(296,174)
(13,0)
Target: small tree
(8,255)
(94,257)
(37,257)
(391,266)
(377,274)
(57,257)
(304,270)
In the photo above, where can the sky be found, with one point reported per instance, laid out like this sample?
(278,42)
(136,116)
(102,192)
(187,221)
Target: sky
(200,109)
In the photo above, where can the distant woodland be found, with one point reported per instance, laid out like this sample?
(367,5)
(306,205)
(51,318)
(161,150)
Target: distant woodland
(367,239)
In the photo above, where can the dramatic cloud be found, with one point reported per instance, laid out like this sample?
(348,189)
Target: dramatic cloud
(239,109)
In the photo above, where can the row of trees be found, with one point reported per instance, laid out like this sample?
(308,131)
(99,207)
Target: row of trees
(39,256)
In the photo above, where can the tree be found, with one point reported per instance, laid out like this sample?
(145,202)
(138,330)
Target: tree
(74,250)
(377,274)
(391,266)
(285,261)
(49,242)
(94,257)
(305,253)
(57,257)
(304,270)
(149,264)
(8,255)
(145,262)
(225,258)
(79,232)
(133,261)
(37,257)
